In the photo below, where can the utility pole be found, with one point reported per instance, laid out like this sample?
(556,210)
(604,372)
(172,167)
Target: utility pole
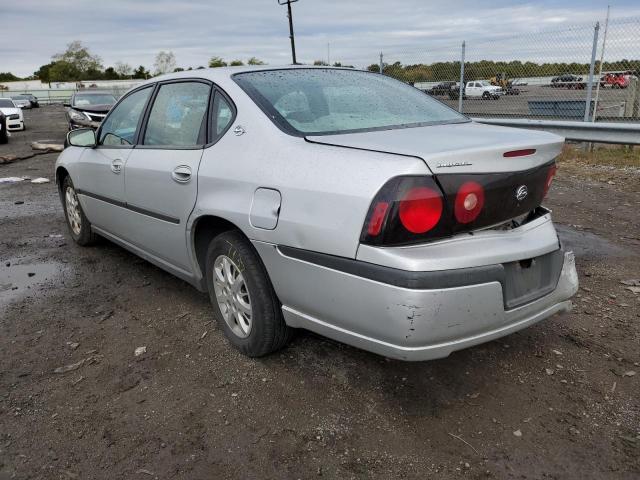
(290,16)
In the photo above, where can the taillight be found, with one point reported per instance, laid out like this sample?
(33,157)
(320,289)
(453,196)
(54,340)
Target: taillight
(469,202)
(550,174)
(420,209)
(377,218)
(416,209)
(405,210)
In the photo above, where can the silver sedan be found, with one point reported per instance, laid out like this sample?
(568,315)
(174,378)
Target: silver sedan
(340,201)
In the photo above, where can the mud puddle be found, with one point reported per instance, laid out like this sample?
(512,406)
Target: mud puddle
(18,277)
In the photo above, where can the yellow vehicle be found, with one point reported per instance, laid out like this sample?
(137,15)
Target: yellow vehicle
(501,80)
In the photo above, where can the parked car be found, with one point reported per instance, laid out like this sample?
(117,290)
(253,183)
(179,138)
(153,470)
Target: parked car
(340,201)
(616,80)
(4,134)
(478,89)
(32,99)
(441,88)
(568,81)
(21,102)
(88,108)
(15,118)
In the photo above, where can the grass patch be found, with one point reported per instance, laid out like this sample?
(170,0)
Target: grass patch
(610,155)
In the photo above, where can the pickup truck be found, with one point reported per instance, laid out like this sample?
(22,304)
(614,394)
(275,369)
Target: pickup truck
(478,89)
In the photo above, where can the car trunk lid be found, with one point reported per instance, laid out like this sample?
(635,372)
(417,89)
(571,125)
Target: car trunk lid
(467,147)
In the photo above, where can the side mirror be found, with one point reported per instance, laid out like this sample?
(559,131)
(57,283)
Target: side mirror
(82,137)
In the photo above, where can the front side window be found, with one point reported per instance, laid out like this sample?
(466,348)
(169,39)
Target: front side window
(121,126)
(177,115)
(321,101)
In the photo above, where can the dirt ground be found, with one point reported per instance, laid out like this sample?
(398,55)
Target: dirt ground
(559,400)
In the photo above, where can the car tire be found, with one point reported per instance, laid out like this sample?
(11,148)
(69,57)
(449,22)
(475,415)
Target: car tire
(244,302)
(79,225)
(486,95)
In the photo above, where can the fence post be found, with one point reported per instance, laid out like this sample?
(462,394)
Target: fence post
(461,91)
(587,109)
(381,64)
(631,101)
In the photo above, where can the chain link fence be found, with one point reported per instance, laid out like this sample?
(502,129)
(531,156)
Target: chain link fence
(585,72)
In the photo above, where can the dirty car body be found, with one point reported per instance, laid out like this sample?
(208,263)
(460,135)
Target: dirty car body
(381,218)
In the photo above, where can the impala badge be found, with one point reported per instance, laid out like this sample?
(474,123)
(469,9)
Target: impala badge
(521,193)
(453,164)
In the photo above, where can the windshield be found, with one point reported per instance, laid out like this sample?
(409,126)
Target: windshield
(94,99)
(329,101)
(6,103)
(21,97)
(484,83)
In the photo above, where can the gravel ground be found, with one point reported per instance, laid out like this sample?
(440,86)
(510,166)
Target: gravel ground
(557,400)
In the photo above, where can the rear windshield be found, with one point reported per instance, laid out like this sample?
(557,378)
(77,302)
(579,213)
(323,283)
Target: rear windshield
(4,103)
(329,101)
(94,99)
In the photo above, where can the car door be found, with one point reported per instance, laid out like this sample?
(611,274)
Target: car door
(100,182)
(161,173)
(472,89)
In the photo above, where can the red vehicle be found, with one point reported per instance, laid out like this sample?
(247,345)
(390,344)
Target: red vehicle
(616,79)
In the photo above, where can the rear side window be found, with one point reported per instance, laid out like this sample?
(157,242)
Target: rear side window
(121,126)
(177,116)
(222,116)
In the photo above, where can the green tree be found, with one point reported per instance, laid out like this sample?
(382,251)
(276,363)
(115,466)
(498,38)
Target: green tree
(8,77)
(236,63)
(62,71)
(141,72)
(320,63)
(76,61)
(255,61)
(216,62)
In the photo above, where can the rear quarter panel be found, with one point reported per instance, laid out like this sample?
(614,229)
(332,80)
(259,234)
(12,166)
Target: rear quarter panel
(326,190)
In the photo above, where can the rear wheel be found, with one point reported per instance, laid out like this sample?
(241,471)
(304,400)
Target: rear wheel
(79,225)
(486,95)
(243,299)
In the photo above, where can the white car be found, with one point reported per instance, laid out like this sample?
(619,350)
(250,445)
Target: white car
(15,119)
(483,89)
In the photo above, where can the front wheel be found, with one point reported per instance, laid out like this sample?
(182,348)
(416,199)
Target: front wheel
(243,299)
(79,225)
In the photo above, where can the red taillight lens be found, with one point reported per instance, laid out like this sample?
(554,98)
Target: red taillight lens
(550,174)
(377,218)
(469,202)
(420,209)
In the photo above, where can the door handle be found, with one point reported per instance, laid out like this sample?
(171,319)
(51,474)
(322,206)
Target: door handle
(116,165)
(181,174)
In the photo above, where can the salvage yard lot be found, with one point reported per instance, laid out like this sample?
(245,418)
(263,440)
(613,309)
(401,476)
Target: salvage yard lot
(557,400)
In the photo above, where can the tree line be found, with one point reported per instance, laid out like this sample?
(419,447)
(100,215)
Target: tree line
(77,64)
(483,69)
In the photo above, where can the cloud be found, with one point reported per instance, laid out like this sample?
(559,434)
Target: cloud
(412,31)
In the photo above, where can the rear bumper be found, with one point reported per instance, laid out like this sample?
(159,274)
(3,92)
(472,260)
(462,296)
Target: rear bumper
(401,322)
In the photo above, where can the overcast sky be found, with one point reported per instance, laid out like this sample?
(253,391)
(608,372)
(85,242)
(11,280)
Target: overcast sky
(412,31)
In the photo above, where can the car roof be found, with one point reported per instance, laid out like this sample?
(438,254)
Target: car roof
(222,74)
